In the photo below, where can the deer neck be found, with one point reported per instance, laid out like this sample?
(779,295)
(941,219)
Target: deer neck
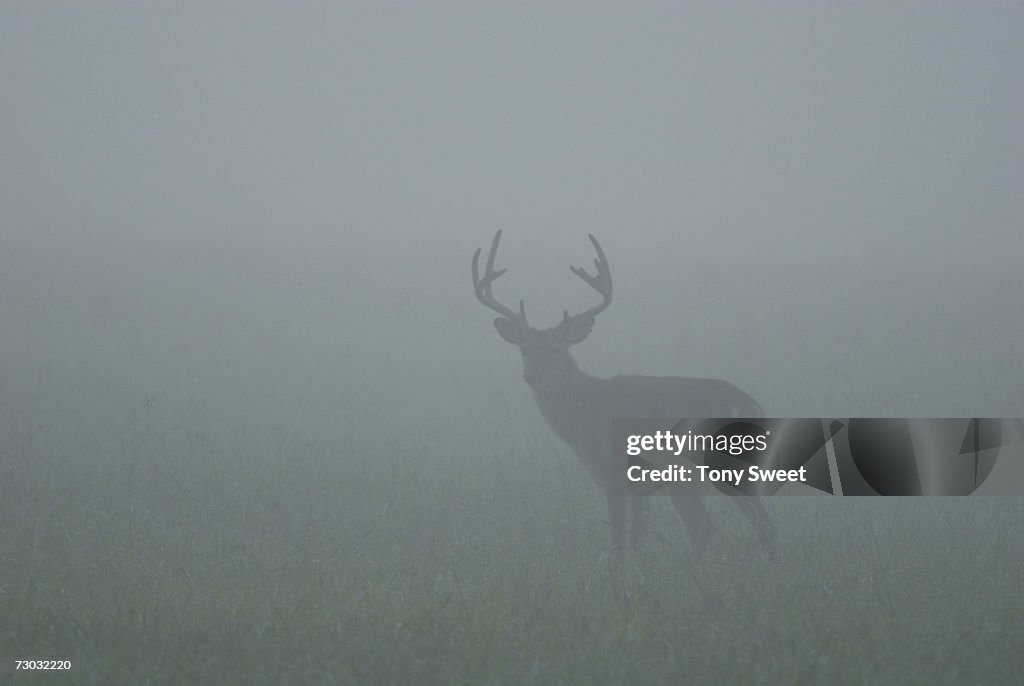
(562,400)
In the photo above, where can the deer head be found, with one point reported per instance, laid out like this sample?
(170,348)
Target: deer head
(546,356)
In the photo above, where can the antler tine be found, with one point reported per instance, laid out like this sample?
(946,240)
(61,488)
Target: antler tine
(482,286)
(601,282)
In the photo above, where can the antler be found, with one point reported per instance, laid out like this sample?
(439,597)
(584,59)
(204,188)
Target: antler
(601,282)
(482,287)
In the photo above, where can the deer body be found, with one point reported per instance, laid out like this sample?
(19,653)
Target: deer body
(582,401)
(581,408)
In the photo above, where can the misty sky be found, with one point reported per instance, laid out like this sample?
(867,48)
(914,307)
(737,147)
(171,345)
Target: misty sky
(801,129)
(280,200)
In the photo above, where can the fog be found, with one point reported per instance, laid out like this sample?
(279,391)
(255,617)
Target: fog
(238,237)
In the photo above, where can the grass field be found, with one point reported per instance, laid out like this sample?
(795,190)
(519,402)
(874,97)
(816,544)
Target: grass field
(190,555)
(222,476)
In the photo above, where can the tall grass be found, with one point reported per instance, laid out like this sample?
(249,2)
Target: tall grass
(190,552)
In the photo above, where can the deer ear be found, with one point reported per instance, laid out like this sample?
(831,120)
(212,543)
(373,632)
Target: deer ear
(509,330)
(577,330)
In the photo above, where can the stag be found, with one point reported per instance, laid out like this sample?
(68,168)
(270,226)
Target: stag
(580,408)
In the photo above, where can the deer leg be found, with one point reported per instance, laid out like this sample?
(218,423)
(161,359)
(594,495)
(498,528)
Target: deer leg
(759,517)
(617,521)
(640,510)
(692,510)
